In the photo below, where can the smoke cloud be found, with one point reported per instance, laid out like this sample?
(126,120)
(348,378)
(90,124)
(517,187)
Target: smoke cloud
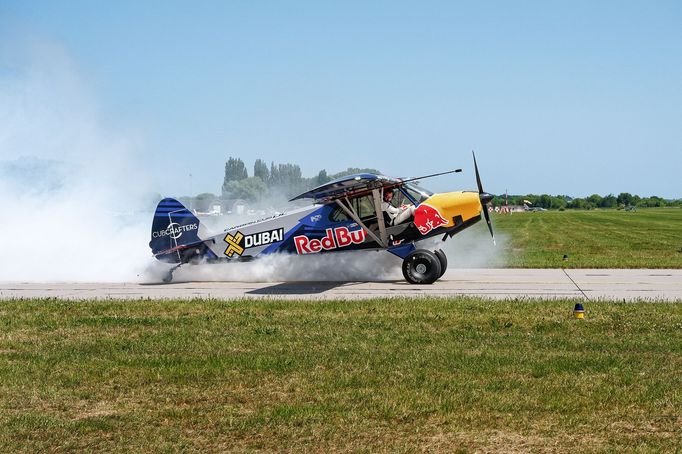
(67,185)
(472,248)
(335,267)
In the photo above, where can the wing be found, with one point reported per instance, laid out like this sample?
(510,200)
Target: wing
(347,186)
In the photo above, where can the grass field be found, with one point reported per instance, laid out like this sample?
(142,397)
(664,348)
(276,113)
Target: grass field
(647,238)
(396,375)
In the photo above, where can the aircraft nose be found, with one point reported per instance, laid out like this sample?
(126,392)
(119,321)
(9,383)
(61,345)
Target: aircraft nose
(485,198)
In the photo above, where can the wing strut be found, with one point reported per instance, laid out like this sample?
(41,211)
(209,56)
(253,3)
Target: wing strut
(380,217)
(350,212)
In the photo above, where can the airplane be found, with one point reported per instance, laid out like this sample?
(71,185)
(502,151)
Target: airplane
(346,215)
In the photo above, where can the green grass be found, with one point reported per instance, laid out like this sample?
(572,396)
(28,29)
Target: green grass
(395,375)
(647,238)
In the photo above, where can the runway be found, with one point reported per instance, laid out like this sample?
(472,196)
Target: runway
(647,284)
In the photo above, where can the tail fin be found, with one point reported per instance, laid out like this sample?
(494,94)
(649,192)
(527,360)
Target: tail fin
(173,228)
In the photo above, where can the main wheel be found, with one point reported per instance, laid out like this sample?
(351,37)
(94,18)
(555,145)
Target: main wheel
(421,267)
(443,261)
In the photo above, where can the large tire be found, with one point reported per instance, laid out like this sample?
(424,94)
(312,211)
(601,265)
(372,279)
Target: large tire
(443,261)
(421,267)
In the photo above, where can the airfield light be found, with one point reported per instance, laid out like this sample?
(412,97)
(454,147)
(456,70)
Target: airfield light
(579,311)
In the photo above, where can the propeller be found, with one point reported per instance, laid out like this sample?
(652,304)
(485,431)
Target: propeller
(485,199)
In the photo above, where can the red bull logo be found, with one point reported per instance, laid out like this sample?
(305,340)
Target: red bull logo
(427,218)
(334,238)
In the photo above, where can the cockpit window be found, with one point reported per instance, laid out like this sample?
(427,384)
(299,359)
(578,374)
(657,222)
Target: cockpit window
(399,199)
(363,206)
(417,193)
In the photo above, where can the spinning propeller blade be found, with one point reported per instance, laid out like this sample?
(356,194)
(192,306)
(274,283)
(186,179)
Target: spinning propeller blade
(485,199)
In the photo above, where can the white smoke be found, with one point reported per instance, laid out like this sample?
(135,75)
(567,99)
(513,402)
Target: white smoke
(66,183)
(336,267)
(472,248)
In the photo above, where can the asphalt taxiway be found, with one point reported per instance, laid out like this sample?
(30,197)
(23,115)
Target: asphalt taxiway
(594,284)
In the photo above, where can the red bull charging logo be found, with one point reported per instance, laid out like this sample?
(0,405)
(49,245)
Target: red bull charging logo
(334,238)
(427,218)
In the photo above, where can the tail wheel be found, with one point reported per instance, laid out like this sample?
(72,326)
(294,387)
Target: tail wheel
(421,267)
(443,261)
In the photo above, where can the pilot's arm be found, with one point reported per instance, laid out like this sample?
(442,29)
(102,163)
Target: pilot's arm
(390,209)
(397,215)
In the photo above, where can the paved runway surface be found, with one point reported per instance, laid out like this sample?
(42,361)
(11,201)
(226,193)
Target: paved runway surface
(493,283)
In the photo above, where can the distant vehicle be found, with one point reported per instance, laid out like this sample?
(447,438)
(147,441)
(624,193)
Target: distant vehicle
(350,213)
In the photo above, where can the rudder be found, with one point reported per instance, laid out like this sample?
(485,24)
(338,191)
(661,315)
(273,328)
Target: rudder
(173,227)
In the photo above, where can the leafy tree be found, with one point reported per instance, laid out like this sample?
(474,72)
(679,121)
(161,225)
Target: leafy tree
(595,200)
(260,170)
(249,189)
(625,199)
(235,170)
(274,174)
(322,178)
(609,201)
(651,202)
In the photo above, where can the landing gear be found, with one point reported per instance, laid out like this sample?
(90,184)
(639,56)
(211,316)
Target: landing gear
(169,275)
(443,261)
(421,267)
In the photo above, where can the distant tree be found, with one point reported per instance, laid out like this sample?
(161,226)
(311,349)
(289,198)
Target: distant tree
(581,204)
(274,174)
(322,178)
(652,202)
(260,170)
(625,199)
(544,201)
(595,200)
(610,201)
(249,189)
(235,170)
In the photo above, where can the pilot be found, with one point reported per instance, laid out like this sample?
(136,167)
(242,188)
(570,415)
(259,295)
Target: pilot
(393,215)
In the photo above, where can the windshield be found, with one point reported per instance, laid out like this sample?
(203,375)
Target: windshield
(417,193)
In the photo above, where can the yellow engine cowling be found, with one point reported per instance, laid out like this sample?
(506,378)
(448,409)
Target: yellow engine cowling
(440,210)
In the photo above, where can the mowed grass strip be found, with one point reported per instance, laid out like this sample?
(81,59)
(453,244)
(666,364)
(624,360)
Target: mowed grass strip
(646,238)
(386,374)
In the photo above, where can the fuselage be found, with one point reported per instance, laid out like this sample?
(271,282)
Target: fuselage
(325,228)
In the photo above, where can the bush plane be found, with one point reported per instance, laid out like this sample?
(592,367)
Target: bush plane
(356,212)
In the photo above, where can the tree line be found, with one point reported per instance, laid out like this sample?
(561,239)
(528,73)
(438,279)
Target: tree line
(274,180)
(561,202)
(278,181)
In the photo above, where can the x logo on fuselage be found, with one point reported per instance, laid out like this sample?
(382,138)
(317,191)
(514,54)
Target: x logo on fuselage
(234,246)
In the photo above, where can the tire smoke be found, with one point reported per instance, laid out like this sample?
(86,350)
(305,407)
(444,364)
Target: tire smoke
(332,267)
(68,187)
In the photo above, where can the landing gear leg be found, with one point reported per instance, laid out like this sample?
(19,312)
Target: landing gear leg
(169,275)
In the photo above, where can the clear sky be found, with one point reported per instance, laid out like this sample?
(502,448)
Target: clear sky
(573,97)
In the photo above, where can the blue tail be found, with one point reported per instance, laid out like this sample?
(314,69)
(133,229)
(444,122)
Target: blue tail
(174,229)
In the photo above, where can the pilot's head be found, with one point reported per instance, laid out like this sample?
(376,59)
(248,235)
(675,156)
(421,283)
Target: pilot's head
(388,195)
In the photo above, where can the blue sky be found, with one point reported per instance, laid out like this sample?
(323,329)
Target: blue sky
(555,97)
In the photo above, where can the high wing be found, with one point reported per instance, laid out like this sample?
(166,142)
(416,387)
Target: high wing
(345,186)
